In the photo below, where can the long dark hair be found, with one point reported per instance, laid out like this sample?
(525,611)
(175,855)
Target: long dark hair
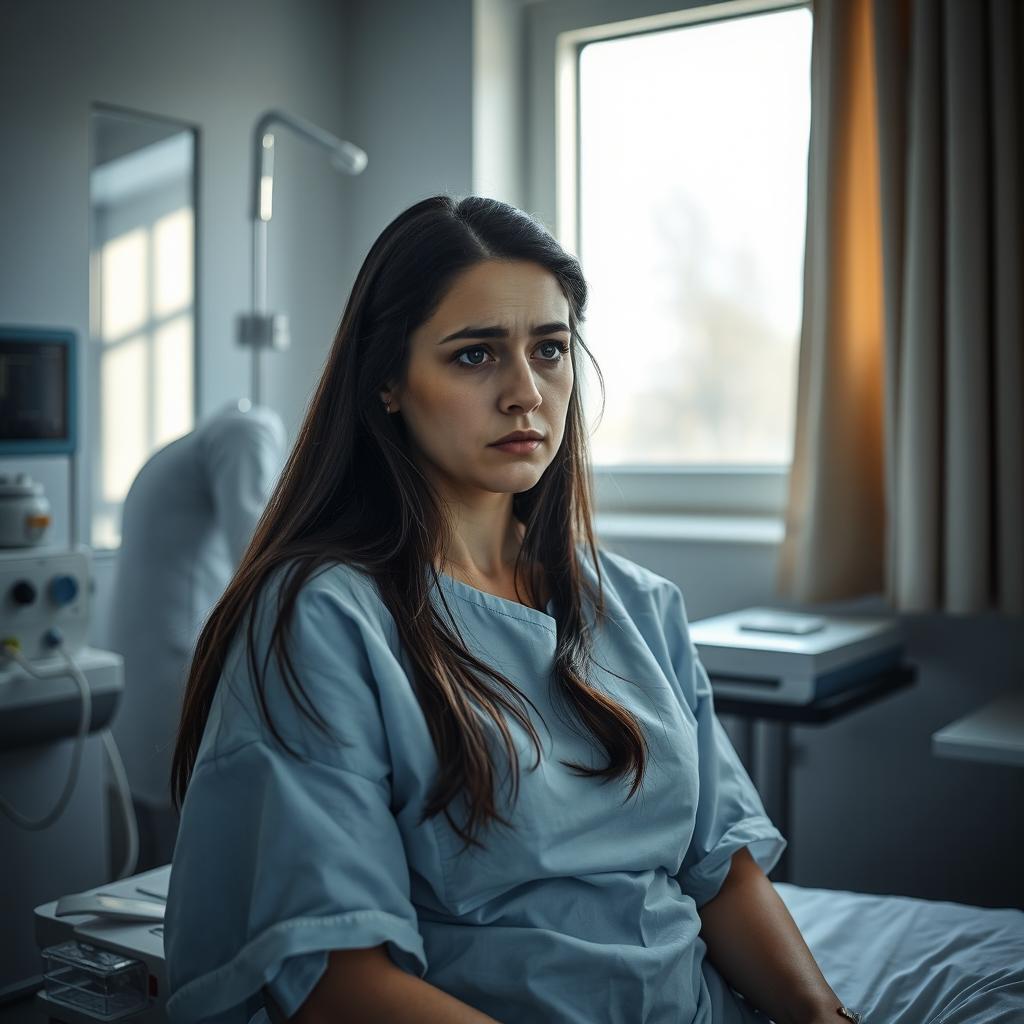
(350,492)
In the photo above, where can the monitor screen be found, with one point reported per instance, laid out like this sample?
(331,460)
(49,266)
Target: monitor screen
(36,390)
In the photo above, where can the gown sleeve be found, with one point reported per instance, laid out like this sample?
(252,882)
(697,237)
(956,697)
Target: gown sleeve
(280,860)
(730,814)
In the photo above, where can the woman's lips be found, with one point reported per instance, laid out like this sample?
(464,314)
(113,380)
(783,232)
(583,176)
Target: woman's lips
(517,447)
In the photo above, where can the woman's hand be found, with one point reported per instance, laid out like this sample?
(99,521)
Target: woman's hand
(829,1016)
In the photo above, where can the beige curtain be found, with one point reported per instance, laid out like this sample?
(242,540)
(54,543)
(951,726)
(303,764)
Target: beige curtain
(909,450)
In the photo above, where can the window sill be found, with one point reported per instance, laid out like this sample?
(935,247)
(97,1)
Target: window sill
(723,529)
(706,529)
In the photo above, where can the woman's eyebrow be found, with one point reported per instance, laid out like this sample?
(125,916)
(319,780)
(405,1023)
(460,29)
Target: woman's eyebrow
(502,332)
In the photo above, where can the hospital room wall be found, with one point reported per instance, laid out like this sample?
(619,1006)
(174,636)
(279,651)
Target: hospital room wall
(408,79)
(216,66)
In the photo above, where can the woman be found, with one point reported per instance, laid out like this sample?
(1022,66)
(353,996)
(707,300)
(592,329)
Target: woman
(359,839)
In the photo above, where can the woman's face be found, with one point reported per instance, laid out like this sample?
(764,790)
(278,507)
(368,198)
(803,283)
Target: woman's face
(488,362)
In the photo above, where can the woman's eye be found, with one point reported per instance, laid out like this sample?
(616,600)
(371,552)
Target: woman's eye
(476,348)
(561,348)
(558,345)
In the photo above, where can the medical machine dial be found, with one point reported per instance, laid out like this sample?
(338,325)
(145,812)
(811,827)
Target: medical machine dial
(41,589)
(63,589)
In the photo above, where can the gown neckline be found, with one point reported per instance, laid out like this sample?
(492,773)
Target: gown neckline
(500,604)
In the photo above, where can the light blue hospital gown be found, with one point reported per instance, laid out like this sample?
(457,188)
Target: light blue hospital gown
(586,913)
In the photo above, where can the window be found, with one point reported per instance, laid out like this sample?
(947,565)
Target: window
(682,177)
(141,354)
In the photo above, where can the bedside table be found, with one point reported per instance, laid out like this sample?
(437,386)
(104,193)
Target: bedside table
(994,733)
(768,755)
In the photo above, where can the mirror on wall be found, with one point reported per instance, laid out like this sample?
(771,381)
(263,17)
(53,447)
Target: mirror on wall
(141,364)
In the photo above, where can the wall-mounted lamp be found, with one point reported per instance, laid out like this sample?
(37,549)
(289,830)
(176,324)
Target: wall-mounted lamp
(262,329)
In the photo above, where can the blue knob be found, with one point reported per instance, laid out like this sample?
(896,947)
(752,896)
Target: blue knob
(63,589)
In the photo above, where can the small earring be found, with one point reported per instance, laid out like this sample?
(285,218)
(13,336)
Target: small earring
(387,406)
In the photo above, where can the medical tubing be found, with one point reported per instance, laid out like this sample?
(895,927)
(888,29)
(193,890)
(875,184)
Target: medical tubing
(76,755)
(124,796)
(47,820)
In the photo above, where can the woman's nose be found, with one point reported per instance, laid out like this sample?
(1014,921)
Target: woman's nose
(522,390)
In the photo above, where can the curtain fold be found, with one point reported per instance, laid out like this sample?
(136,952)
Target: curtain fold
(835,523)
(908,466)
(1007,88)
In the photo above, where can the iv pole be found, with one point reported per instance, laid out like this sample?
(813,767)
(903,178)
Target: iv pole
(262,329)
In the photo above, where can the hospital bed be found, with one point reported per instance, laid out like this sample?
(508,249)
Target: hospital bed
(900,960)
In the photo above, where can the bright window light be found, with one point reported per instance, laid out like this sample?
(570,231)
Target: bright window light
(125,282)
(124,441)
(692,204)
(173,401)
(173,244)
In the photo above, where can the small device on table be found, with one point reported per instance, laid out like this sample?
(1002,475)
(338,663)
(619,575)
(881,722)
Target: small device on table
(789,623)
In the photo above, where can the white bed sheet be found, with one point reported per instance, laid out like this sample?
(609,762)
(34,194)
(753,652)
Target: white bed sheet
(912,961)
(901,960)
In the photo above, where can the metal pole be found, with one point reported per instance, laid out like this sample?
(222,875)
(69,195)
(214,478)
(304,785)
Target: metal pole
(259,296)
(772,763)
(262,208)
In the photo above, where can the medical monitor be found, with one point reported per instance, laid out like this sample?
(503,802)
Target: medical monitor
(38,405)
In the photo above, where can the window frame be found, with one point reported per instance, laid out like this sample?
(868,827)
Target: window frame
(557,31)
(85,496)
